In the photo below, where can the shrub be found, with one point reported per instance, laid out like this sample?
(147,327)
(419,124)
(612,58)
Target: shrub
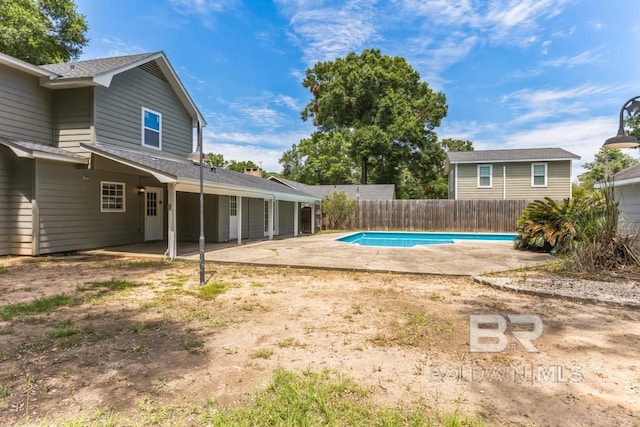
(339,210)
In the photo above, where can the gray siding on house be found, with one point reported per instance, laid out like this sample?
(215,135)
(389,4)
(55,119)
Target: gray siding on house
(628,198)
(223,218)
(72,116)
(518,181)
(188,217)
(20,206)
(118,113)
(69,207)
(285,218)
(254,217)
(25,110)
(5,181)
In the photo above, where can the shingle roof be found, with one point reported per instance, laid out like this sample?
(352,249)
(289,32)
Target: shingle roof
(184,169)
(32,147)
(94,67)
(629,173)
(522,154)
(353,191)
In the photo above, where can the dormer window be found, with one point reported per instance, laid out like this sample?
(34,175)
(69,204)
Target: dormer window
(151,129)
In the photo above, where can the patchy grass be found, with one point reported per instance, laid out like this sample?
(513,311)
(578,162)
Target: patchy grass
(40,305)
(194,346)
(3,270)
(322,399)
(112,285)
(291,343)
(411,330)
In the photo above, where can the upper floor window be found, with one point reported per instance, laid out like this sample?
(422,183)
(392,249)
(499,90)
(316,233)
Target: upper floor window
(485,174)
(538,174)
(151,129)
(112,196)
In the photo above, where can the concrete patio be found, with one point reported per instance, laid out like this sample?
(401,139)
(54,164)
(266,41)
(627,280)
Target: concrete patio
(323,251)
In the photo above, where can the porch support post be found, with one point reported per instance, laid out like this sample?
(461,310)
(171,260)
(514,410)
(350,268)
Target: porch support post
(313,217)
(239,212)
(296,208)
(171,234)
(271,203)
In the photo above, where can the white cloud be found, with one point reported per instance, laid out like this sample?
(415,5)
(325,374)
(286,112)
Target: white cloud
(585,57)
(205,9)
(545,46)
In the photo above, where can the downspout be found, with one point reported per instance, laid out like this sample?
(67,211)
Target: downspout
(504,183)
(455,183)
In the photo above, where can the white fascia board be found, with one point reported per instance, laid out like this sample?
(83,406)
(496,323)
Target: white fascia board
(193,186)
(621,183)
(59,158)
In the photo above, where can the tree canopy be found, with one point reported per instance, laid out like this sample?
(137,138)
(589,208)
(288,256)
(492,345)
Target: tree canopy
(374,118)
(42,31)
(606,162)
(218,160)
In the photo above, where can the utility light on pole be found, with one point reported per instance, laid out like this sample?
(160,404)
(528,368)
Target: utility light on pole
(198,156)
(622,140)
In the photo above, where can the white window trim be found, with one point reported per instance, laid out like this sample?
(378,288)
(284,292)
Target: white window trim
(124,197)
(159,147)
(490,176)
(546,174)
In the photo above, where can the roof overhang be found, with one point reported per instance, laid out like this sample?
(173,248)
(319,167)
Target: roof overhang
(191,185)
(17,64)
(28,152)
(453,162)
(620,183)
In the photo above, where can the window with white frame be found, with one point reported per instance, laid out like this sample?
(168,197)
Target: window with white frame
(112,196)
(538,174)
(485,174)
(151,129)
(233,205)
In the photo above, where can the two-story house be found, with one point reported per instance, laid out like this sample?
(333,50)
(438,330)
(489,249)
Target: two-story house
(532,173)
(94,154)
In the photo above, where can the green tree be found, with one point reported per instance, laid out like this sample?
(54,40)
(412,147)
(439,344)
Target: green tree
(606,163)
(379,105)
(321,159)
(215,159)
(457,144)
(240,166)
(42,31)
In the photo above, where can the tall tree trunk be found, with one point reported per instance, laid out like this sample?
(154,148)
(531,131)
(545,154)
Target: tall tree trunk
(363,175)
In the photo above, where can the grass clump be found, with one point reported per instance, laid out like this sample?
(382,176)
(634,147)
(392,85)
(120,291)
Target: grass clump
(3,270)
(39,305)
(212,290)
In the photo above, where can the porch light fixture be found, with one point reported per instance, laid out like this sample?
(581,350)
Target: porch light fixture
(141,189)
(198,156)
(622,140)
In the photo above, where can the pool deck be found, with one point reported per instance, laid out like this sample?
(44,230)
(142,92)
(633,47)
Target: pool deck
(323,251)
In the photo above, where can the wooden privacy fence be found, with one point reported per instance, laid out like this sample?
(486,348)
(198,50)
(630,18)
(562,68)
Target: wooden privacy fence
(499,216)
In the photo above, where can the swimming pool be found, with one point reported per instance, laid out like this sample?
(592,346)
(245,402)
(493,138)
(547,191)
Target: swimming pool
(410,239)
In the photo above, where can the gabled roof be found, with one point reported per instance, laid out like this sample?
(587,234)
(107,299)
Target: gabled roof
(353,191)
(31,150)
(514,155)
(627,176)
(186,175)
(100,72)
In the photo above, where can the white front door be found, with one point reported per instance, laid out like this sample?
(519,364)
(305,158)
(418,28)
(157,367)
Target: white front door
(153,217)
(233,217)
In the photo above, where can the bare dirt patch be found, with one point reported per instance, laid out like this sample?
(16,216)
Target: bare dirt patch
(154,344)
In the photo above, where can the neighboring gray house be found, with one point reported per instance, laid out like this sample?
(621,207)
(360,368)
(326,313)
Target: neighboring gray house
(354,191)
(93,154)
(626,186)
(510,174)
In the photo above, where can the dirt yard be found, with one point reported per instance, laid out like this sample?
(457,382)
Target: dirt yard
(137,337)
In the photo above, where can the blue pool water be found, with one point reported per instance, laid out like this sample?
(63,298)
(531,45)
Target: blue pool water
(409,239)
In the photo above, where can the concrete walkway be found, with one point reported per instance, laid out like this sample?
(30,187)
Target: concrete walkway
(322,251)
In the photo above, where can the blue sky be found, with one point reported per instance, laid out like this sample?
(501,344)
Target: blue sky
(516,73)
